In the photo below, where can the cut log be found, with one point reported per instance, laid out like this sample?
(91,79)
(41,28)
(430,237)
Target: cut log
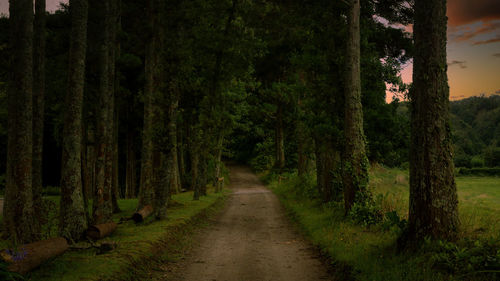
(27,257)
(99,231)
(142,213)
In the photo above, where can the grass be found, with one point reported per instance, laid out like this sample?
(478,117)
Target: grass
(369,253)
(479,199)
(137,244)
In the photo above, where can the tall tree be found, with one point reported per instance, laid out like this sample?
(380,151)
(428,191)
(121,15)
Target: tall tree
(102,197)
(433,193)
(146,186)
(355,165)
(38,101)
(73,220)
(18,208)
(112,134)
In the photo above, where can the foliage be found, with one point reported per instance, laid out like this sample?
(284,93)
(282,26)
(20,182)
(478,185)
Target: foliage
(6,275)
(478,258)
(479,171)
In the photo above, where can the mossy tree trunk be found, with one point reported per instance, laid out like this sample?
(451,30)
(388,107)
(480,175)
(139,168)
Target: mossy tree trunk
(131,172)
(73,220)
(102,198)
(39,43)
(18,207)
(146,186)
(433,194)
(355,162)
(114,86)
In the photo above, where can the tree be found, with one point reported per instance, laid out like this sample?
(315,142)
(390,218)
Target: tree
(102,207)
(355,162)
(146,186)
(38,101)
(433,193)
(18,209)
(73,221)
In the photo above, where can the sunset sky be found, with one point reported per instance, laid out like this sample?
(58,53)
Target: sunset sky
(473,46)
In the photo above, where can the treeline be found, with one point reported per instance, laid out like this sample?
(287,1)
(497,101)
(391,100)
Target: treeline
(476,131)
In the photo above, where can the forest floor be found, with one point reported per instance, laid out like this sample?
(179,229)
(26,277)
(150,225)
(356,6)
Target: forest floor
(252,239)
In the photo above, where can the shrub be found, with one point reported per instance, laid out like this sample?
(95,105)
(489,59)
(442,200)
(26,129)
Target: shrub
(366,213)
(479,257)
(479,171)
(477,162)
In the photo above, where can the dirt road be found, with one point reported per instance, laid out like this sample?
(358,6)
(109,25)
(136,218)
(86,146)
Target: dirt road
(251,241)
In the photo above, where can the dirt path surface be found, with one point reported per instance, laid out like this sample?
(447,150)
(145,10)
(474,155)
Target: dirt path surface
(251,240)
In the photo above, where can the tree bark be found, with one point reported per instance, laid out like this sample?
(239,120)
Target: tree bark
(131,172)
(355,165)
(280,139)
(328,170)
(72,212)
(146,187)
(18,208)
(433,194)
(181,155)
(112,133)
(38,105)
(102,201)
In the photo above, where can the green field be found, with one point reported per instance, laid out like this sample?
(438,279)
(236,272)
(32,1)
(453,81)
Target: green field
(479,199)
(370,252)
(136,244)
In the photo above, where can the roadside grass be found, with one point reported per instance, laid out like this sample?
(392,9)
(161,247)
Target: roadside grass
(370,253)
(135,243)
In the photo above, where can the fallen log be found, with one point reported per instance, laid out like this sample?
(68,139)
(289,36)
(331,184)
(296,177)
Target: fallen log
(29,256)
(143,213)
(99,231)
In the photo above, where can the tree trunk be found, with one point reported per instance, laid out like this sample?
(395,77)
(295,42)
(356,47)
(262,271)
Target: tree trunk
(131,172)
(112,133)
(102,202)
(146,187)
(303,142)
(38,105)
(163,181)
(328,170)
(433,194)
(181,156)
(172,137)
(280,139)
(355,166)
(18,208)
(218,160)
(195,159)
(73,221)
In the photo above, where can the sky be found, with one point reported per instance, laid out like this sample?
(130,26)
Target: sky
(473,47)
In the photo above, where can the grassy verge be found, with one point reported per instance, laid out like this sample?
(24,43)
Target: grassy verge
(138,245)
(369,252)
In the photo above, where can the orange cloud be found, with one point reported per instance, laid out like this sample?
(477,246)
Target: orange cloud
(462,12)
(494,40)
(468,32)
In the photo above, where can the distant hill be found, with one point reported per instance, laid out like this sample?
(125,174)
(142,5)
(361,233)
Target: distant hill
(476,131)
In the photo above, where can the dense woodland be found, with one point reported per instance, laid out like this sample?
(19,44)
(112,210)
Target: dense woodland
(109,99)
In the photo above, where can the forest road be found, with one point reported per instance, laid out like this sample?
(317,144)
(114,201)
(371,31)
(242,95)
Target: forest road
(251,240)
